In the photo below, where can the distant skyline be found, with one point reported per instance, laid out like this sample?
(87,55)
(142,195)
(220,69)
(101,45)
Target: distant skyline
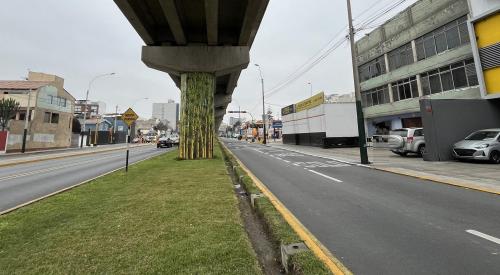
(78,40)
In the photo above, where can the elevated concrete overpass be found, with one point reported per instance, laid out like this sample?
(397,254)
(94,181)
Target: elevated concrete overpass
(187,37)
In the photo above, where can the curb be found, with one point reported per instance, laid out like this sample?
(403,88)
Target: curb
(436,179)
(66,156)
(333,264)
(73,186)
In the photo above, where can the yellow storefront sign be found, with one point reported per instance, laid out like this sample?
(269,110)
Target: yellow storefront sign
(311,102)
(488,42)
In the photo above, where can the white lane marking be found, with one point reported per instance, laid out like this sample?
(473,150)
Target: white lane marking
(484,236)
(323,175)
(287,161)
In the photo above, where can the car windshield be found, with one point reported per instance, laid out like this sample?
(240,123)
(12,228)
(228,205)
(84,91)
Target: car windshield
(482,135)
(400,132)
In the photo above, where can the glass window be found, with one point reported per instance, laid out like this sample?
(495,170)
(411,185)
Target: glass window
(414,88)
(395,93)
(463,31)
(459,78)
(470,71)
(400,57)
(55,118)
(435,83)
(429,46)
(452,37)
(372,69)
(426,88)
(440,38)
(447,80)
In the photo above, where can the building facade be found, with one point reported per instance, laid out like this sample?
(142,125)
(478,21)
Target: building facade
(50,112)
(167,113)
(91,109)
(423,52)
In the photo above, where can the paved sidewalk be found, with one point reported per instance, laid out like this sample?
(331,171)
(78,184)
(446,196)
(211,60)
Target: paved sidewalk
(480,176)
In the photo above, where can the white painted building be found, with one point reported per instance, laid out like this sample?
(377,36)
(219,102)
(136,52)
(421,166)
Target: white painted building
(167,113)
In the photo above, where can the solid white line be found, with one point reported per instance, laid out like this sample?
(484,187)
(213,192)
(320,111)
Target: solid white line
(484,236)
(287,161)
(323,175)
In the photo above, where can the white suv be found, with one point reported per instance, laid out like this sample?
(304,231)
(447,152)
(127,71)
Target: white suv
(411,141)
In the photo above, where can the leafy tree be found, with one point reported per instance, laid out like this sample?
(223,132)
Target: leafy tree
(77,127)
(161,126)
(8,108)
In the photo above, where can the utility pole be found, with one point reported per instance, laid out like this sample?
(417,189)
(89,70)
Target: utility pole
(363,152)
(114,124)
(26,122)
(263,106)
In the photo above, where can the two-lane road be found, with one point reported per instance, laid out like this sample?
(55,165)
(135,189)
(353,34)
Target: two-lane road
(23,183)
(381,223)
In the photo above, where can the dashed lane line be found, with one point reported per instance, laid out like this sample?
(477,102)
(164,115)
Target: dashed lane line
(325,176)
(484,236)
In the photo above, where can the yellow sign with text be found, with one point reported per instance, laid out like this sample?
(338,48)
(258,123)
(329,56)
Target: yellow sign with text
(129,116)
(311,102)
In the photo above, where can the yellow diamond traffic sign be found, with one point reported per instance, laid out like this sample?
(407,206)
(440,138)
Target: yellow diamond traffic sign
(129,116)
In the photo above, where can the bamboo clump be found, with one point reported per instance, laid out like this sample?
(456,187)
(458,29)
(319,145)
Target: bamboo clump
(197,116)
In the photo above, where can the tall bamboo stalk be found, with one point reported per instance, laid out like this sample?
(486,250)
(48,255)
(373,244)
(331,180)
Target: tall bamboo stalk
(197,116)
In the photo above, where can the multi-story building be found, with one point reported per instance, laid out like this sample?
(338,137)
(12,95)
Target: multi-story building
(423,52)
(90,108)
(168,113)
(50,112)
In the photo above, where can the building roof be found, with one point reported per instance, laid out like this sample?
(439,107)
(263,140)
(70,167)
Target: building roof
(21,84)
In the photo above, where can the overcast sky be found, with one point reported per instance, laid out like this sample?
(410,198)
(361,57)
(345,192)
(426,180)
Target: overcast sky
(77,39)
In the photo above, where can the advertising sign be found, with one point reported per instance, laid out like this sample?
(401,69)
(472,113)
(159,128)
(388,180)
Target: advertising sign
(485,40)
(290,109)
(311,102)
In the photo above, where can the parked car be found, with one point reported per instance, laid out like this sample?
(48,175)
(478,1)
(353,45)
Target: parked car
(164,141)
(174,138)
(412,141)
(480,145)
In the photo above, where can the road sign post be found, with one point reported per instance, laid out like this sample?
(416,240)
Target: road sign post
(128,117)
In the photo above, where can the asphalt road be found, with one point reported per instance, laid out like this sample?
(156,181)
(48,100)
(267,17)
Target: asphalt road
(377,222)
(26,182)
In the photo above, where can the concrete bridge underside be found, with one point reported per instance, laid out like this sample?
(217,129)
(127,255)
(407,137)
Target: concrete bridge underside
(192,36)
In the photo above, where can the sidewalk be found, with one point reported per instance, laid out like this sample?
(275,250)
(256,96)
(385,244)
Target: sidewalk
(474,175)
(19,158)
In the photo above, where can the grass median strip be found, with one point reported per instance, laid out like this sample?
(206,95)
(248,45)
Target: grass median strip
(166,216)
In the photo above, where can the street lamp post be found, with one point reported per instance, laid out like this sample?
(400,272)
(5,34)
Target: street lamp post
(87,102)
(311,86)
(26,122)
(263,105)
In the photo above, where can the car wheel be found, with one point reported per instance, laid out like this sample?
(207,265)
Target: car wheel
(421,150)
(495,157)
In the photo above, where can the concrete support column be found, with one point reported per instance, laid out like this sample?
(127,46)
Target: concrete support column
(386,61)
(419,85)
(391,96)
(197,116)
(414,51)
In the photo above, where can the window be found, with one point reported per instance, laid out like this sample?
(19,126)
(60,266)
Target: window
(448,37)
(377,96)
(46,117)
(372,69)
(55,118)
(455,76)
(22,115)
(405,89)
(400,57)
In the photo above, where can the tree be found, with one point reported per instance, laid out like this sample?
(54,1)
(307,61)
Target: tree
(8,108)
(161,126)
(77,127)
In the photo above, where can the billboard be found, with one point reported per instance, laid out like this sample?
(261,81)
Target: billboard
(485,40)
(311,102)
(290,109)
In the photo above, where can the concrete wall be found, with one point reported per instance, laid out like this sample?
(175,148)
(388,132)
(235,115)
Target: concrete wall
(447,121)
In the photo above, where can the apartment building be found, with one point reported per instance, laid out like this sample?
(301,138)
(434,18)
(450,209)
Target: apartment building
(424,52)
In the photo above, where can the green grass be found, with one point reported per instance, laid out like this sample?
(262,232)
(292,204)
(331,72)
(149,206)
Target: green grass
(165,216)
(281,232)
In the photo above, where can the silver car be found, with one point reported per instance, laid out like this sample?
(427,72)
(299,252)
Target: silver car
(480,145)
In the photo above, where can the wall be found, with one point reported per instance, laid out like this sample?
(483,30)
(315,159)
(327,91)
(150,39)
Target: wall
(341,120)
(448,121)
